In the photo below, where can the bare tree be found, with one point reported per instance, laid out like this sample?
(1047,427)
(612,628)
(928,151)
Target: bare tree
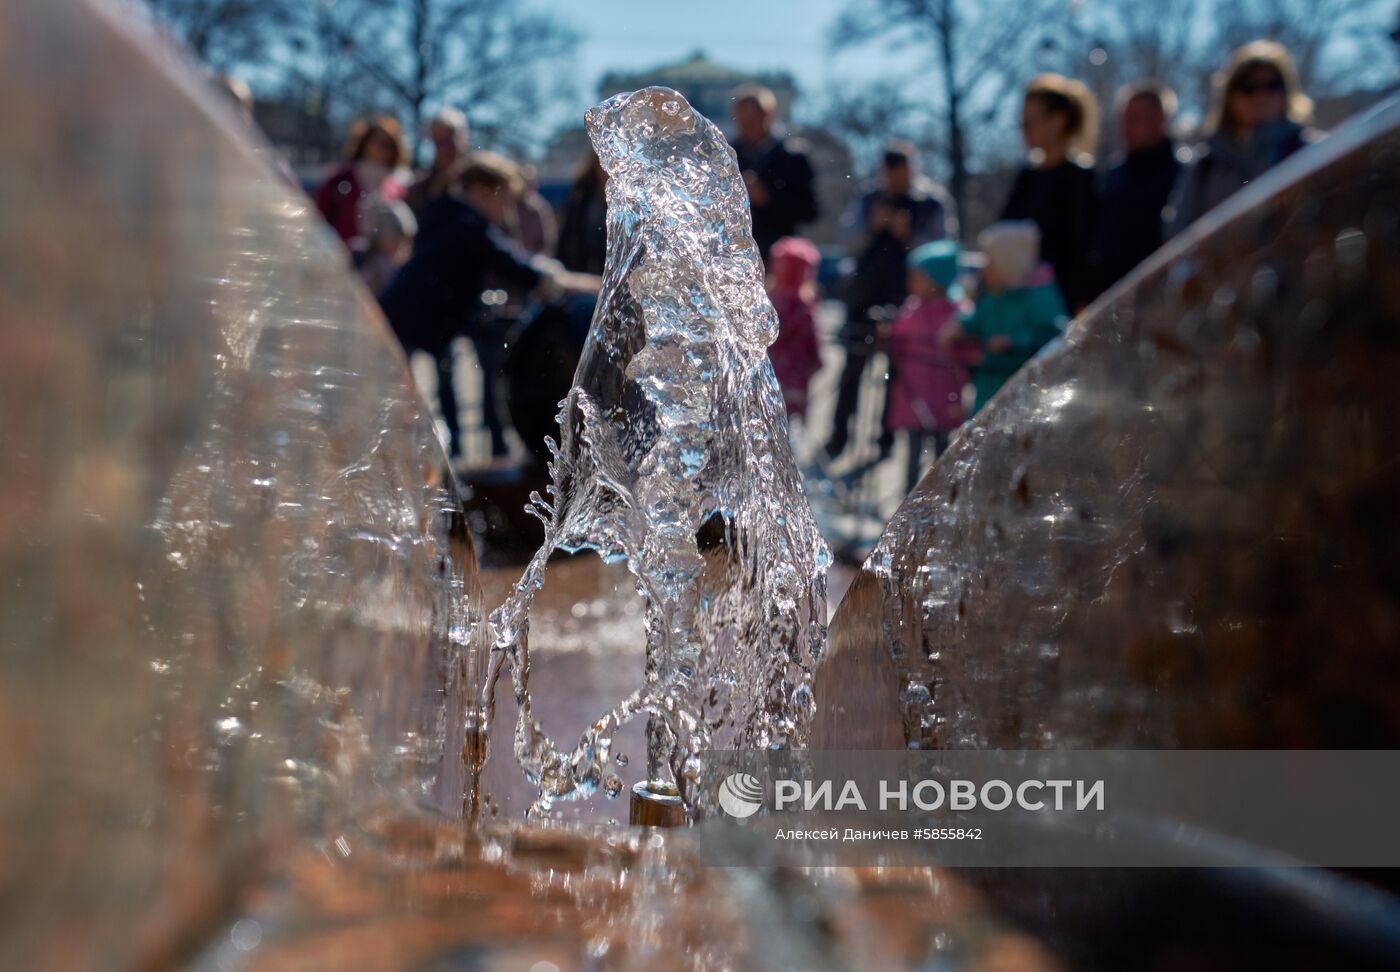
(977,50)
(1308,28)
(1183,42)
(1116,42)
(493,60)
(866,117)
(225,33)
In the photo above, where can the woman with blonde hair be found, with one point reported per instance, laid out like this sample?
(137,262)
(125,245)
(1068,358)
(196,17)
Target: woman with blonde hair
(348,196)
(1056,188)
(1258,117)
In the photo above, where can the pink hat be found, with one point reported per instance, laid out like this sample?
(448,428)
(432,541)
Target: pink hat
(795,248)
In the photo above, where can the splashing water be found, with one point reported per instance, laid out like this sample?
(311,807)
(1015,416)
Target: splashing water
(674,457)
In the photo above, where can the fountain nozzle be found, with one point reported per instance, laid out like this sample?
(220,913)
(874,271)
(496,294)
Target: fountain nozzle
(656,803)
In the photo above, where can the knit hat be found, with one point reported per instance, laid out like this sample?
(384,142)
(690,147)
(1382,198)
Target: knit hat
(796,248)
(938,261)
(792,264)
(1013,248)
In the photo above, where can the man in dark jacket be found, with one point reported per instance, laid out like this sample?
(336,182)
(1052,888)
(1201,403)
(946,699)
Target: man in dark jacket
(902,211)
(1133,193)
(776,171)
(433,296)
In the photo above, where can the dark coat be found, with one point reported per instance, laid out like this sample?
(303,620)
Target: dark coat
(583,229)
(782,167)
(427,187)
(1132,195)
(1063,202)
(880,271)
(432,297)
(1222,166)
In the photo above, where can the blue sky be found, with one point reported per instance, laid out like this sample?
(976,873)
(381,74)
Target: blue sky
(746,33)
(786,35)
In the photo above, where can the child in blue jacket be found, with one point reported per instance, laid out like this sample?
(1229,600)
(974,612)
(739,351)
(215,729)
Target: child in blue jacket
(1019,308)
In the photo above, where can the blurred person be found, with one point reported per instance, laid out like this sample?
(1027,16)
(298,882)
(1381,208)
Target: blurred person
(433,297)
(902,211)
(583,229)
(775,169)
(451,138)
(388,243)
(1257,118)
(928,356)
(1056,189)
(792,287)
(373,153)
(504,299)
(535,227)
(1134,193)
(582,243)
(1018,310)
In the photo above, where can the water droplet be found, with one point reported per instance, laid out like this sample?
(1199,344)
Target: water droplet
(246,934)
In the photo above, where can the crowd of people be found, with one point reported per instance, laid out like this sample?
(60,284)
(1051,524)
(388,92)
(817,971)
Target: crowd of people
(954,325)
(446,251)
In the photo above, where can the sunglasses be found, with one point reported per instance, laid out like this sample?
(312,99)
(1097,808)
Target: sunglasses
(1272,86)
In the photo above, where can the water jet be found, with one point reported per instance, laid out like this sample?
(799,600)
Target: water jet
(244,638)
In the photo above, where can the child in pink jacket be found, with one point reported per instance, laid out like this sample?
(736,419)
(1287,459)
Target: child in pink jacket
(796,354)
(928,355)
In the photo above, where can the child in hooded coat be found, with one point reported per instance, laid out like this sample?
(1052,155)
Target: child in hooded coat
(1019,308)
(796,354)
(928,355)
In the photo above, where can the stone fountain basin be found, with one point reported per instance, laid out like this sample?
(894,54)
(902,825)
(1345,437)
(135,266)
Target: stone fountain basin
(237,626)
